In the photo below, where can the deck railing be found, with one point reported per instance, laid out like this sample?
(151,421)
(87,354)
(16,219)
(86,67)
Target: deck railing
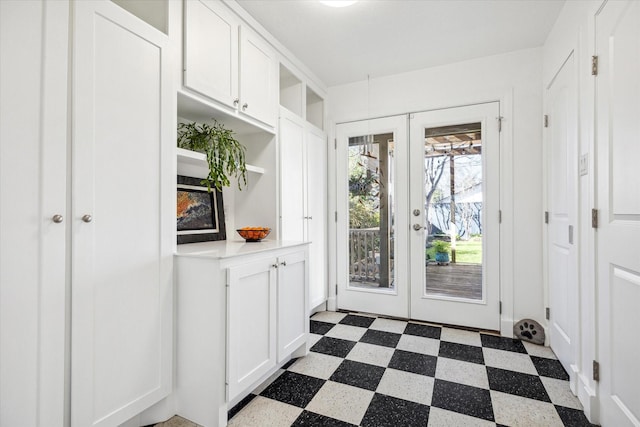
(364,254)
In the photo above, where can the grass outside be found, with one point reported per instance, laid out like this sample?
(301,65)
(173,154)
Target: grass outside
(467,251)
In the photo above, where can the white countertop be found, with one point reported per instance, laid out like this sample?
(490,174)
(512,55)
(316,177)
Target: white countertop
(230,248)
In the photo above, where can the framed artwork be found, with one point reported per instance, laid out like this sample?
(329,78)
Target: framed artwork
(200,213)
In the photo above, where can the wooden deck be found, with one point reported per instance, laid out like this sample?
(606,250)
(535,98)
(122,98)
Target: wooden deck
(455,280)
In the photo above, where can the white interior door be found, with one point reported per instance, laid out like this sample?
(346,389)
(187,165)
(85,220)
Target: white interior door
(372,227)
(618,202)
(562,253)
(454,164)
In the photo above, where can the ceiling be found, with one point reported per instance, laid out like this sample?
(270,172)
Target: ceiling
(384,37)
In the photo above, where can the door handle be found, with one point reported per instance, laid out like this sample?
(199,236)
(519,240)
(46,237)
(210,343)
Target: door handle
(418,227)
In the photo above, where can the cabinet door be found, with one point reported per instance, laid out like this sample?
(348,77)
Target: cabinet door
(123,200)
(257,78)
(33,146)
(292,184)
(211,50)
(251,334)
(293,315)
(316,198)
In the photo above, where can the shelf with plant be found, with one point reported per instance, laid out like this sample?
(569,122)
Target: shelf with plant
(213,152)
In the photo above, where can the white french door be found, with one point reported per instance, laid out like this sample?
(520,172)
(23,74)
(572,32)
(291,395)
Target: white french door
(455,175)
(618,202)
(397,196)
(372,226)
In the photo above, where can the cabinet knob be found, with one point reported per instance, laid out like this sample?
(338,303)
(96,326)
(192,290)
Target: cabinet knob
(283,263)
(57,218)
(87,218)
(236,102)
(274,265)
(245,106)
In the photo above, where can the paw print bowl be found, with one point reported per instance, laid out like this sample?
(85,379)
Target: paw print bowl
(253,234)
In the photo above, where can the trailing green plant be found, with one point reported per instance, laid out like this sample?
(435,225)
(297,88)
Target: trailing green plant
(441,246)
(225,155)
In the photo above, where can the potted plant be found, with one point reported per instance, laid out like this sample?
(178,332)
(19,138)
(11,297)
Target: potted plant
(225,155)
(442,251)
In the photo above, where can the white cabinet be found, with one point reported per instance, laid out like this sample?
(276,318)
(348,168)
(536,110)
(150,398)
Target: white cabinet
(243,303)
(227,62)
(303,154)
(211,51)
(86,268)
(123,198)
(251,336)
(293,315)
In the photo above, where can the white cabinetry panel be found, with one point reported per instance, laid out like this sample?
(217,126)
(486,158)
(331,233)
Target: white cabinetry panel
(121,217)
(211,50)
(293,316)
(257,78)
(251,336)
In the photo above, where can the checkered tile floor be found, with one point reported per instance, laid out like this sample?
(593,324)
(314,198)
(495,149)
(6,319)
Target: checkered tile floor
(370,371)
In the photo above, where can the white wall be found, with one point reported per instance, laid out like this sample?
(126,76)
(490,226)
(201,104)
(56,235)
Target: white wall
(514,79)
(574,32)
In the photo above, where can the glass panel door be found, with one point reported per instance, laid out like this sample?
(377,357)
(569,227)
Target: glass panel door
(455,175)
(372,216)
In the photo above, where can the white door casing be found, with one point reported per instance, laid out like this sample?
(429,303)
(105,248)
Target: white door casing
(618,202)
(483,313)
(562,229)
(393,302)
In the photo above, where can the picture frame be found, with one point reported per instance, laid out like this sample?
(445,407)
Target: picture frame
(199,212)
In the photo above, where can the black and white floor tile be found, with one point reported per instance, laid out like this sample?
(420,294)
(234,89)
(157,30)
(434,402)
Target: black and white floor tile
(368,371)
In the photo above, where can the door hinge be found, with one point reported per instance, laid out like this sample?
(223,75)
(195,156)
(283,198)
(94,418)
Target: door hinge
(571,234)
(336,216)
(546,217)
(594,65)
(500,216)
(546,121)
(335,143)
(336,289)
(547,313)
(500,123)
(596,370)
(500,307)
(594,218)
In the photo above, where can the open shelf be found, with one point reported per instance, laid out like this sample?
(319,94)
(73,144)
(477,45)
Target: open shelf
(290,91)
(194,164)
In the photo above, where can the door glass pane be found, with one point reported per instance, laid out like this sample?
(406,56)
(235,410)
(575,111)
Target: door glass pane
(453,211)
(371,210)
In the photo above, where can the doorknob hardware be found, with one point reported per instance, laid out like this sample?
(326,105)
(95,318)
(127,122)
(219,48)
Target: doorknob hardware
(245,106)
(57,218)
(418,227)
(274,265)
(283,263)
(236,102)
(416,212)
(87,218)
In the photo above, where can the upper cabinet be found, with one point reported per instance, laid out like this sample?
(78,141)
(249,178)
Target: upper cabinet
(211,51)
(227,63)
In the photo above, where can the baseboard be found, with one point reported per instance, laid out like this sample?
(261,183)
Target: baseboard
(332,304)
(589,399)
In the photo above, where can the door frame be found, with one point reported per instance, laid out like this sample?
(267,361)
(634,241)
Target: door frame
(507,275)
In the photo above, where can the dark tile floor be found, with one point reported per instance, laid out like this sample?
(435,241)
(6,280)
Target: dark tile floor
(370,371)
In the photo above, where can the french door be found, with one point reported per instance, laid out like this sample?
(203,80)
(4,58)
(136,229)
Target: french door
(399,198)
(372,224)
(454,204)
